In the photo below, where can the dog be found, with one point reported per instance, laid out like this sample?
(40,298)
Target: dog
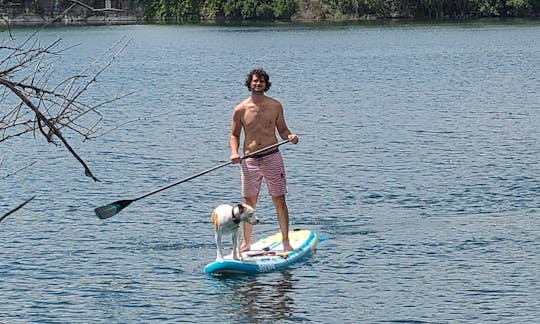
(226,220)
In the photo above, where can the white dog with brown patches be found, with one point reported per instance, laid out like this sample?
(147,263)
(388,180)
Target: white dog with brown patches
(226,220)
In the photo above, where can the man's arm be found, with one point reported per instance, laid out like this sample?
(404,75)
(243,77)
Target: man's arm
(234,139)
(282,128)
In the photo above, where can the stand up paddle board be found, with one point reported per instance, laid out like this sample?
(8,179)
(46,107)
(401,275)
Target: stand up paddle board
(267,254)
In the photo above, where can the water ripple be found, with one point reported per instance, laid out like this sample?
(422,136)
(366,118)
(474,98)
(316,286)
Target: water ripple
(418,162)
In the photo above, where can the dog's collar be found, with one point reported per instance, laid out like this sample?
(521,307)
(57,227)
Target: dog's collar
(235,218)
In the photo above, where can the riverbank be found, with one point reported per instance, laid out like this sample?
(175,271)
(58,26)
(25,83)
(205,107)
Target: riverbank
(33,20)
(109,12)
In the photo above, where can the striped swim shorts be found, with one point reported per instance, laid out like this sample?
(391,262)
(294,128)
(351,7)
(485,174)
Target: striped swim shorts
(268,166)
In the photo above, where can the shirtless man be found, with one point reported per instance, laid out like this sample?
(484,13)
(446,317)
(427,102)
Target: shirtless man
(260,117)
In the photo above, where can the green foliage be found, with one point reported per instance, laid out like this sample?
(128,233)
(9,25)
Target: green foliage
(264,11)
(195,10)
(187,10)
(232,9)
(284,9)
(211,9)
(345,6)
(163,9)
(376,7)
(518,7)
(248,9)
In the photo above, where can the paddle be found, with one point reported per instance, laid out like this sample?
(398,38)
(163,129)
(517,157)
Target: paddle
(114,208)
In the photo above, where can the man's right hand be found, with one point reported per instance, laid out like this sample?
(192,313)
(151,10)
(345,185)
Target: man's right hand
(235,158)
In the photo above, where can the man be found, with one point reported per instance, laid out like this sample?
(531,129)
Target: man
(260,117)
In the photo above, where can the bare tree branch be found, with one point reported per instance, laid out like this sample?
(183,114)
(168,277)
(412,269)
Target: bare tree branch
(32,102)
(47,126)
(25,76)
(16,208)
(132,121)
(16,171)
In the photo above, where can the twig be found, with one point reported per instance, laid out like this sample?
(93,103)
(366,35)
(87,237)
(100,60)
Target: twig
(18,170)
(16,208)
(52,128)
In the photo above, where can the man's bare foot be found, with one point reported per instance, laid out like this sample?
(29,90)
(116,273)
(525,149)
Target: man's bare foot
(245,247)
(287,247)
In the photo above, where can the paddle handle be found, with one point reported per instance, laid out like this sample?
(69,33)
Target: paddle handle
(265,149)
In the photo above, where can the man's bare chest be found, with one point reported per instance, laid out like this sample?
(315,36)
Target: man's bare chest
(258,115)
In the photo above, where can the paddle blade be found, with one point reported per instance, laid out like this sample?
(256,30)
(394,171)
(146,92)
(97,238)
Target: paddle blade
(110,210)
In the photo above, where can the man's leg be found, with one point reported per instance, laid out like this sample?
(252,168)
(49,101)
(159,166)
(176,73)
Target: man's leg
(283,220)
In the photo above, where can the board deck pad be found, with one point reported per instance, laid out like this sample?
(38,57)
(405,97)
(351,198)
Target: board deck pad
(267,254)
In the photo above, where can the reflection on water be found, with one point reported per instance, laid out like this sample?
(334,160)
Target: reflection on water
(259,297)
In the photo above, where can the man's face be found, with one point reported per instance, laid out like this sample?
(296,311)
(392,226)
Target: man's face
(258,83)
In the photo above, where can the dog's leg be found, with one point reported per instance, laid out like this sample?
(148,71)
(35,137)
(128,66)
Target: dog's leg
(238,245)
(219,249)
(234,246)
(237,255)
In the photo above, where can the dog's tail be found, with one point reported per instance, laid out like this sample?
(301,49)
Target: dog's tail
(214,218)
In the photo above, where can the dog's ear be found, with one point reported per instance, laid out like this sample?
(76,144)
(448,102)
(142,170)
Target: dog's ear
(240,208)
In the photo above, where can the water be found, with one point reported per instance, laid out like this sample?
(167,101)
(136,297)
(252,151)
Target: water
(418,162)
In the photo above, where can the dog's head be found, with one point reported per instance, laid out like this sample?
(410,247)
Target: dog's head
(247,214)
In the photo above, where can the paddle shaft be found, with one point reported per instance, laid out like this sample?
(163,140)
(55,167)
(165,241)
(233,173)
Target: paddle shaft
(207,171)
(181,181)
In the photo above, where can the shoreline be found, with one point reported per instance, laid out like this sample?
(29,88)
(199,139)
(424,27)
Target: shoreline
(104,20)
(36,21)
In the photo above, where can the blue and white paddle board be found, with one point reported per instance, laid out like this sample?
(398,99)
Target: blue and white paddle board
(267,254)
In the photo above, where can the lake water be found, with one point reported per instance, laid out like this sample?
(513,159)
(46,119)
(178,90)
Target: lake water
(418,162)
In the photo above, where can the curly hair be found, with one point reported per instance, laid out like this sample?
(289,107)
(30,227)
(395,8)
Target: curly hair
(261,74)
